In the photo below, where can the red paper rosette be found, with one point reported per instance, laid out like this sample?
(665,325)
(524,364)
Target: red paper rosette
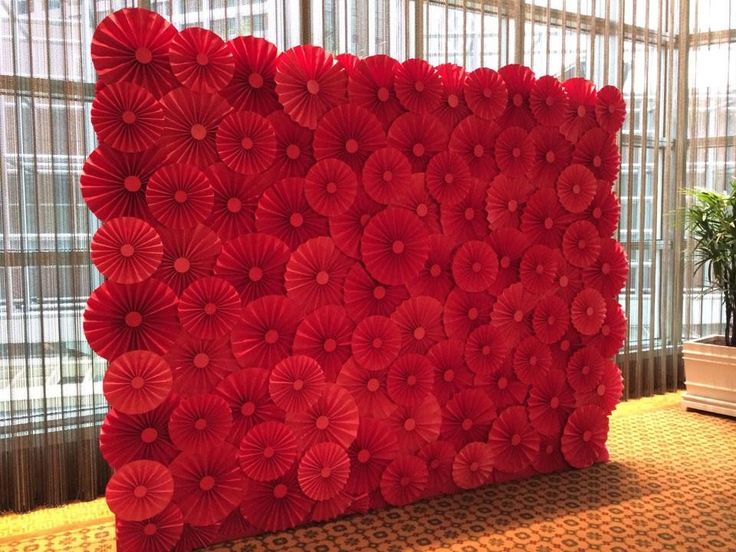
(610,109)
(121,318)
(502,385)
(332,419)
(364,297)
(418,137)
(415,198)
(200,422)
(139,490)
(513,440)
(435,278)
(374,447)
(415,426)
(207,485)
(452,108)
(569,280)
(486,93)
(485,349)
(372,86)
(418,86)
(580,111)
(607,393)
(550,403)
(467,417)
(552,153)
(179,196)
(544,221)
(275,505)
(563,350)
(438,457)
(585,368)
(551,319)
(326,336)
(410,379)
(283,212)
(504,201)
(419,320)
(155,534)
(376,342)
(294,154)
(473,465)
(605,210)
(475,140)
(532,360)
(200,60)
(474,266)
(133,44)
(598,151)
(588,311)
(519,83)
(538,269)
(608,272)
(584,438)
(252,85)
(136,382)
(330,187)
(309,84)
(199,364)
(188,255)
(126,250)
(610,339)
(368,388)
(451,375)
(246,142)
(194,537)
(448,177)
(404,480)
(266,331)
(549,459)
(468,219)
(509,244)
(254,264)
(514,151)
(323,471)
(296,383)
(464,311)
(581,244)
(576,188)
(548,101)
(331,508)
(347,229)
(268,451)
(385,173)
(126,117)
(209,308)
(234,206)
(235,527)
(511,312)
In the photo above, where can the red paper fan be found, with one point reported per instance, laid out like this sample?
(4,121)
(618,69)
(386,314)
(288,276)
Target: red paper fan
(474,266)
(126,117)
(585,368)
(309,84)
(347,229)
(199,365)
(551,319)
(608,272)
(580,111)
(323,471)
(246,142)
(113,184)
(418,86)
(415,426)
(610,109)
(330,187)
(588,311)
(121,318)
(550,403)
(395,246)
(514,151)
(404,480)
(368,388)
(538,269)
(435,278)
(512,312)
(569,281)
(266,331)
(252,85)
(504,201)
(509,244)
(607,393)
(418,137)
(235,527)
(254,264)
(294,154)
(502,386)
(133,44)
(532,360)
(513,441)
(581,244)
(385,173)
(576,188)
(209,308)
(562,350)
(332,419)
(473,465)
(364,297)
(548,101)
(247,397)
(126,250)
(376,342)
(597,150)
(315,274)
(296,383)
(326,336)
(419,320)
(347,61)
(268,451)
(475,140)
(584,438)
(179,196)
(374,448)
(448,177)
(234,206)
(136,382)
(195,537)
(372,86)
(486,93)
(200,422)
(605,210)
(552,153)
(464,311)
(452,108)
(410,379)
(139,490)
(485,349)
(544,221)
(451,375)
(155,534)
(208,485)
(275,505)
(467,417)
(519,82)
(188,255)
(550,457)
(414,197)
(325,510)
(200,60)
(610,339)
(283,212)
(438,457)
(128,437)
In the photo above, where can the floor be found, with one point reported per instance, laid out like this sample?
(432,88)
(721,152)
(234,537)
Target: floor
(670,485)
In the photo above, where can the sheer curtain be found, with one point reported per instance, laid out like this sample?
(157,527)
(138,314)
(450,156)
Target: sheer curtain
(671,58)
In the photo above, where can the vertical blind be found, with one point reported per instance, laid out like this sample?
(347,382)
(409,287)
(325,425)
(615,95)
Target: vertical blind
(671,58)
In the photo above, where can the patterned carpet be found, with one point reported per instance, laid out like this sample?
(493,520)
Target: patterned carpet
(670,485)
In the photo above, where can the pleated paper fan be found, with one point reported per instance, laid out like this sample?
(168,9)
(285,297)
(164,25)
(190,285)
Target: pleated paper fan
(246,142)
(435,278)
(576,188)
(585,368)
(234,204)
(514,151)
(375,446)
(296,383)
(347,61)
(404,480)
(410,379)
(607,393)
(266,331)
(597,150)
(254,264)
(418,137)
(563,350)
(332,419)
(415,426)
(209,308)
(584,437)
(475,140)
(200,422)
(132,45)
(550,458)
(610,109)
(485,349)
(502,386)
(473,465)
(323,471)
(513,440)
(548,101)
(551,319)
(126,250)
(415,198)
(121,318)
(315,274)
(552,154)
(581,244)
(486,93)
(294,153)
(330,187)
(464,311)
(448,177)
(235,527)
(347,229)
(207,485)
(532,360)
(519,81)
(467,417)
(604,211)
(194,537)
(468,219)
(268,451)
(179,196)
(376,342)
(474,266)
(199,365)
(275,505)
(139,490)
(331,508)
(538,269)
(364,297)
(505,199)
(511,314)
(453,108)
(419,320)
(580,111)
(325,335)
(371,86)
(509,244)
(126,117)
(136,382)
(544,220)
(385,173)
(438,457)
(284,212)
(611,337)
(418,86)
(200,60)
(368,388)
(550,403)
(188,255)
(608,272)
(569,281)
(155,534)
(588,311)
(309,84)
(252,85)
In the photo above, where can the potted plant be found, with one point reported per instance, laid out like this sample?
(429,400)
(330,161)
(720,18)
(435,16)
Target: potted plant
(710,362)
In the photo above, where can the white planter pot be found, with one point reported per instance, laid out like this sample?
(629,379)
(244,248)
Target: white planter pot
(710,376)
